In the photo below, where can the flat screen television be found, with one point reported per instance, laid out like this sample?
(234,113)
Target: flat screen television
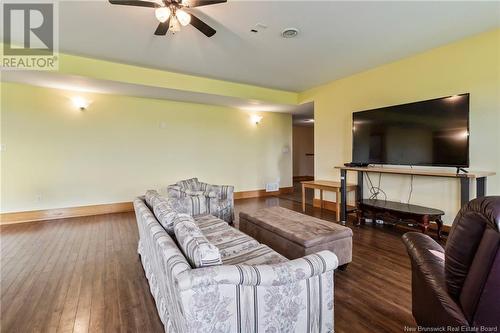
(429,133)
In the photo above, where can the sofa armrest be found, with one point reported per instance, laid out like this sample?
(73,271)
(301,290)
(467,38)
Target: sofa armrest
(432,306)
(260,275)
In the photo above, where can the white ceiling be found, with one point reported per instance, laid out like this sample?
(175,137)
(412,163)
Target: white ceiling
(336,39)
(88,85)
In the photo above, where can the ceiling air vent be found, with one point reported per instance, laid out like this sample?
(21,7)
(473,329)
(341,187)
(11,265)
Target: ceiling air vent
(289,33)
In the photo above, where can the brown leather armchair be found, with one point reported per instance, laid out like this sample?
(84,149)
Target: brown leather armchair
(460,284)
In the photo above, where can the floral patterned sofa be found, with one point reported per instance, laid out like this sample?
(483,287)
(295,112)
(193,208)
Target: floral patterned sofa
(244,286)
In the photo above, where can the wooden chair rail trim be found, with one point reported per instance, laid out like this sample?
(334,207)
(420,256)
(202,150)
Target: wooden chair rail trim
(261,193)
(120,207)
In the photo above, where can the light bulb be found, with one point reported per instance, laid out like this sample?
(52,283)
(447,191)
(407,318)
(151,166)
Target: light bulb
(255,119)
(183,17)
(80,103)
(162,14)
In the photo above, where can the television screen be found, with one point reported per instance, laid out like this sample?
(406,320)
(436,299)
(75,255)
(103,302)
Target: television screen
(433,132)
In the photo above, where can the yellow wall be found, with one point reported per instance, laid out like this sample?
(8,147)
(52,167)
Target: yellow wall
(57,156)
(471,65)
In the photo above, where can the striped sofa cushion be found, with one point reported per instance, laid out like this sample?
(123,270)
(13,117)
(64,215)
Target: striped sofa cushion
(166,209)
(194,205)
(259,255)
(151,198)
(195,246)
(165,214)
(235,246)
(163,210)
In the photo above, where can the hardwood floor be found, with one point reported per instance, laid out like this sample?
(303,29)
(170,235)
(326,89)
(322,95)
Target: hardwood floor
(84,275)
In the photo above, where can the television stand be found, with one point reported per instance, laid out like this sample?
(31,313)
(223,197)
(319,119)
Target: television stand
(464,178)
(399,213)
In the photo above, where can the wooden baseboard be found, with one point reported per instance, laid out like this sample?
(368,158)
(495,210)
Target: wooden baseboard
(261,193)
(121,207)
(302,178)
(61,213)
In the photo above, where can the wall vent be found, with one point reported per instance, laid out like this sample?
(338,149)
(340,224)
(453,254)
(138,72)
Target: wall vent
(272,187)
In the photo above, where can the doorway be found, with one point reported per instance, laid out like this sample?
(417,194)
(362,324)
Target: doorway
(302,152)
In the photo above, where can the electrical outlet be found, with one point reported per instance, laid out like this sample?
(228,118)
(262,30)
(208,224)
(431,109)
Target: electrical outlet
(163,125)
(38,197)
(3,147)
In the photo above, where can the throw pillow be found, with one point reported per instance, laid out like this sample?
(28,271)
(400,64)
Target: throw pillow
(195,246)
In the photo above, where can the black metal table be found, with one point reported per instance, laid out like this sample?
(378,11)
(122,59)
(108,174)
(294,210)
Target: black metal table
(465,181)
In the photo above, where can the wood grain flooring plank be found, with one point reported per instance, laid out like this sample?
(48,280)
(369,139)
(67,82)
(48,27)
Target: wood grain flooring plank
(47,302)
(68,315)
(82,316)
(23,289)
(59,299)
(24,257)
(98,292)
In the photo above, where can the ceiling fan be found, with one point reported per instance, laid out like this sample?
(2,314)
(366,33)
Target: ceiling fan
(172,14)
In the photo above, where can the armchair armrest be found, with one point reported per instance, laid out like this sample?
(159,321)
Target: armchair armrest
(431,304)
(221,192)
(175,191)
(421,247)
(260,275)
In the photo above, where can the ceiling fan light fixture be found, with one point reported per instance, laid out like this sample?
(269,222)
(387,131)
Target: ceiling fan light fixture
(183,17)
(174,25)
(162,14)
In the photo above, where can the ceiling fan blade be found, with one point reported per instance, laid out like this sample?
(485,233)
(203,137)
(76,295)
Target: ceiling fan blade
(162,28)
(202,26)
(199,3)
(137,3)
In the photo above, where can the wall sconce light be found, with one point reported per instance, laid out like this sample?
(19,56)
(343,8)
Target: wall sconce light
(256,119)
(80,103)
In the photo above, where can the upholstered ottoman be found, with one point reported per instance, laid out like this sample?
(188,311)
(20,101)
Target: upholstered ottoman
(295,235)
